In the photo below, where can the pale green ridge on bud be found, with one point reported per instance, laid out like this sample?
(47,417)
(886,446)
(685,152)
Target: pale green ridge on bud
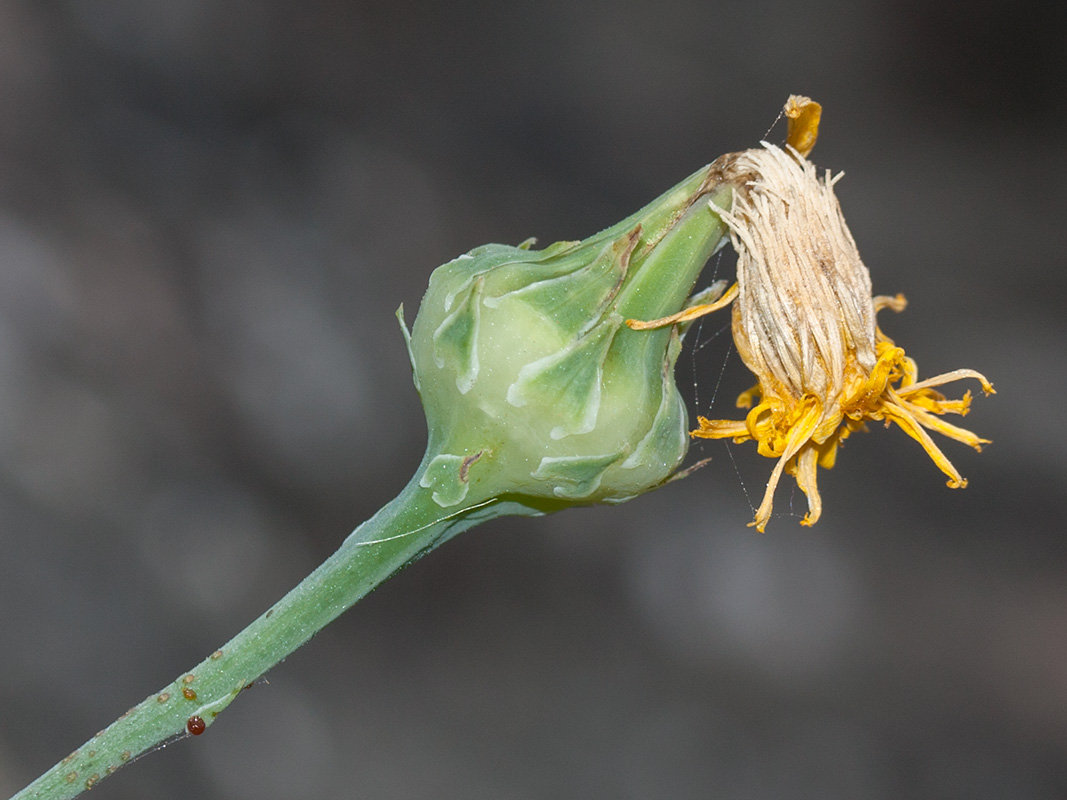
(568,380)
(456,338)
(532,384)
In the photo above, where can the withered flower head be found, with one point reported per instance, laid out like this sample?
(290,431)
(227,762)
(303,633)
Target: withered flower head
(804,323)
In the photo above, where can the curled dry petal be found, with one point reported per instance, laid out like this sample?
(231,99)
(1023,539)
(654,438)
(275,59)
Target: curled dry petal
(804,324)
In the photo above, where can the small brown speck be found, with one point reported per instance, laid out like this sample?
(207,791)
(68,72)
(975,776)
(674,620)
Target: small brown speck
(164,697)
(98,734)
(91,780)
(126,755)
(196,725)
(92,754)
(188,693)
(269,613)
(464,468)
(216,655)
(71,777)
(70,758)
(111,769)
(188,678)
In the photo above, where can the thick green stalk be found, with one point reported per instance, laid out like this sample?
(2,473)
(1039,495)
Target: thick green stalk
(406,528)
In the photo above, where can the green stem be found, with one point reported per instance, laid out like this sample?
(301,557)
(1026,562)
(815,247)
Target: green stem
(402,531)
(483,443)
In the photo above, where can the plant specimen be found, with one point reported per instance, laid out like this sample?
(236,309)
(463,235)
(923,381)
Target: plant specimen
(547,381)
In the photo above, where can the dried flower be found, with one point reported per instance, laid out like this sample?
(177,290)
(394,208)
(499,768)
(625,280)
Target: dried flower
(804,323)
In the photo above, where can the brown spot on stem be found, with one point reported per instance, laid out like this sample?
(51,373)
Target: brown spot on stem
(188,693)
(164,697)
(188,678)
(92,779)
(196,725)
(465,466)
(70,758)
(216,655)
(71,777)
(126,755)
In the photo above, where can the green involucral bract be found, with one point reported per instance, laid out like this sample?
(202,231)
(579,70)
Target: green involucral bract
(532,383)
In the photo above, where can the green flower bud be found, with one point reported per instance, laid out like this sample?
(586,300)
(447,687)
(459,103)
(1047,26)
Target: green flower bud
(533,385)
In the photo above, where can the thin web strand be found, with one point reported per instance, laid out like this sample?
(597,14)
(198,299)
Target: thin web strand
(777,119)
(737,472)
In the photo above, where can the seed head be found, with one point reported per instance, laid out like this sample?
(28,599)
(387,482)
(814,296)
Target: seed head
(804,323)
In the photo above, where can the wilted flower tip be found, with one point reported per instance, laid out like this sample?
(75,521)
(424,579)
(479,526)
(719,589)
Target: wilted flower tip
(804,323)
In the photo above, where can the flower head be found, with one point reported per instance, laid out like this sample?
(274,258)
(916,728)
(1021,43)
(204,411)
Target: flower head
(804,323)
(533,387)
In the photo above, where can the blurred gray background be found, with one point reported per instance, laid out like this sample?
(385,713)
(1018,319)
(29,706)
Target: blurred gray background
(209,211)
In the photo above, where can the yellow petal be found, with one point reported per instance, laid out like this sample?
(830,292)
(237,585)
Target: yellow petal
(687,314)
(948,377)
(806,469)
(721,429)
(905,419)
(799,435)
